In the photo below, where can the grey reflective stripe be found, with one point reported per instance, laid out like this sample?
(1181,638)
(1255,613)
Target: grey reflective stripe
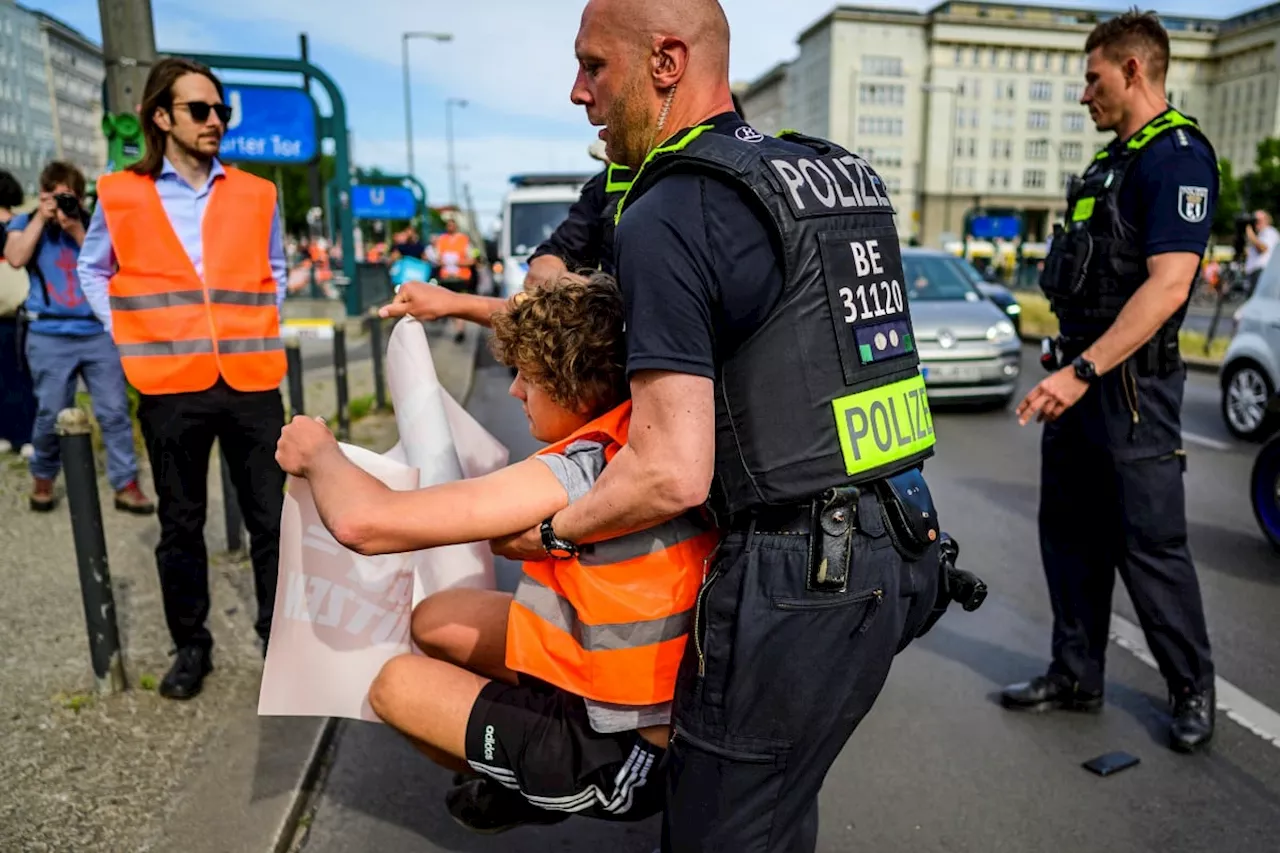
(170,299)
(263,299)
(244,345)
(167,348)
(642,542)
(557,611)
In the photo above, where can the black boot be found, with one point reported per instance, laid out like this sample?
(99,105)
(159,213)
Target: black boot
(1193,719)
(185,678)
(486,807)
(1050,693)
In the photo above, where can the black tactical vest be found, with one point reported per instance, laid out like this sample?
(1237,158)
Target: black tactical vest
(1097,262)
(828,390)
(617,181)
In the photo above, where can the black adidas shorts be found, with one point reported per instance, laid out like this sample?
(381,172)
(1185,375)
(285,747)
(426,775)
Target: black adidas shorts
(537,739)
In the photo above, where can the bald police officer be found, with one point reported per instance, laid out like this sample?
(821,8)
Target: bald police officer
(1111,492)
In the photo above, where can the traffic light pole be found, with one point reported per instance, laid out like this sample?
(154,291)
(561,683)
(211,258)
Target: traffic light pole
(129,51)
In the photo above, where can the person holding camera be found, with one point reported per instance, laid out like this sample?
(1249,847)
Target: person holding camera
(66,342)
(1260,238)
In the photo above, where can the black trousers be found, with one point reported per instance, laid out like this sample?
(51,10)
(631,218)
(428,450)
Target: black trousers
(776,677)
(1112,498)
(179,430)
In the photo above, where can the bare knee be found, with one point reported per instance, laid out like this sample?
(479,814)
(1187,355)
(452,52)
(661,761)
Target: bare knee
(389,688)
(434,630)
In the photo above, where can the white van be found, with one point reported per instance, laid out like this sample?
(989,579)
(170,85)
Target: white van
(534,208)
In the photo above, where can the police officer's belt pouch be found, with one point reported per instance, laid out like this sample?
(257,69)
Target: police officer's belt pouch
(909,513)
(1068,264)
(831,541)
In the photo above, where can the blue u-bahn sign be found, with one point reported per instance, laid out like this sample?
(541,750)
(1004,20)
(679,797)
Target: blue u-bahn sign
(379,202)
(270,124)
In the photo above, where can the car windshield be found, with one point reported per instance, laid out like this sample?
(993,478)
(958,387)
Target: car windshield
(534,222)
(932,279)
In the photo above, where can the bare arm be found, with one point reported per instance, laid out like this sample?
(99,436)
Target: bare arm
(21,245)
(423,301)
(665,467)
(366,516)
(1169,278)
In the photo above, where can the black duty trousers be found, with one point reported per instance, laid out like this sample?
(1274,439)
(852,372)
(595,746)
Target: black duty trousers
(179,430)
(776,677)
(1112,497)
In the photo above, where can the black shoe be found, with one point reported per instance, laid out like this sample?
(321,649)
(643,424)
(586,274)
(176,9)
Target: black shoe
(1049,693)
(485,807)
(185,678)
(1193,719)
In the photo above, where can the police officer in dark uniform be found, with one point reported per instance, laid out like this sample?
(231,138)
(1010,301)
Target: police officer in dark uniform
(1111,495)
(774,377)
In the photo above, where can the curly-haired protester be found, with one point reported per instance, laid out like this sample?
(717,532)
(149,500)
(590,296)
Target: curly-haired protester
(559,696)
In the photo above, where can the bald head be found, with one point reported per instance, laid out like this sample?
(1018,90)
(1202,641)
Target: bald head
(650,67)
(701,25)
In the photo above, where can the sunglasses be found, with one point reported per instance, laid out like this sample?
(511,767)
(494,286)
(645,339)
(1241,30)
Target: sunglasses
(200,111)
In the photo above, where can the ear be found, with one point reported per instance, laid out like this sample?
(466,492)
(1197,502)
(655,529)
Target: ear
(670,60)
(1131,68)
(163,119)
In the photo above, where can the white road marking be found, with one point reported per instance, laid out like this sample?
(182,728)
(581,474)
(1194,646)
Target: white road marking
(1211,443)
(1232,701)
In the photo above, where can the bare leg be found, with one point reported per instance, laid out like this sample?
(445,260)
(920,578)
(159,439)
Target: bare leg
(429,702)
(467,627)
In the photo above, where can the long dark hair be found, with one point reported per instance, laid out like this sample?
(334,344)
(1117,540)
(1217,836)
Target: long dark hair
(158,94)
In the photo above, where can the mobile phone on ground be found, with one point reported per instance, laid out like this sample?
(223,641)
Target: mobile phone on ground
(1112,762)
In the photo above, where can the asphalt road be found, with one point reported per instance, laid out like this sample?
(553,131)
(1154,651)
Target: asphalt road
(938,765)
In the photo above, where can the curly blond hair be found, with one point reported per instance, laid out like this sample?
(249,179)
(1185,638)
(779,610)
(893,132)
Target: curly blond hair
(566,336)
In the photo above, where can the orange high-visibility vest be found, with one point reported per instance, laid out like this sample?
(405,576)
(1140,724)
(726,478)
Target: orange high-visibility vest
(459,245)
(612,624)
(177,333)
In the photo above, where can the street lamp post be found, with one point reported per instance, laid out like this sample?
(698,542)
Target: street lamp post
(448,132)
(951,147)
(408,110)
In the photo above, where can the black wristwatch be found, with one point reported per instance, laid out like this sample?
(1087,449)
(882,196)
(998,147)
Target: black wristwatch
(557,548)
(1085,369)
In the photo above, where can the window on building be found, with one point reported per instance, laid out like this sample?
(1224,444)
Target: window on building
(1037,149)
(959,60)
(998,179)
(1066,63)
(1001,149)
(1064,179)
(882,66)
(1006,90)
(1073,122)
(893,185)
(1033,179)
(882,158)
(879,126)
(1072,92)
(882,93)
(1037,120)
(1040,90)
(1071,151)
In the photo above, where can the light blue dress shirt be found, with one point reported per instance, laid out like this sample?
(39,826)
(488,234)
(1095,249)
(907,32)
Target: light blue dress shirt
(185,206)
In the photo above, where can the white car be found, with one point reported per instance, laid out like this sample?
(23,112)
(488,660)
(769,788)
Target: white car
(1250,372)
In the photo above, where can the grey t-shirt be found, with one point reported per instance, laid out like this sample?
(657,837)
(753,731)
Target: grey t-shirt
(577,469)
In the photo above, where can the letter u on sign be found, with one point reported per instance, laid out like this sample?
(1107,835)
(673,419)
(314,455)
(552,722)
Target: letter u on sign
(377,196)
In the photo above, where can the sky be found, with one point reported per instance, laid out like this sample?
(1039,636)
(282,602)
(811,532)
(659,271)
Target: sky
(511,60)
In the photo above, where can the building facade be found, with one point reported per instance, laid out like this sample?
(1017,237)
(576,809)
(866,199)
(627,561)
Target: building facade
(50,96)
(976,105)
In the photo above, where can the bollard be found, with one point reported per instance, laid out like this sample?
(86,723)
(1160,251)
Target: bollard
(91,550)
(340,379)
(230,505)
(375,351)
(293,355)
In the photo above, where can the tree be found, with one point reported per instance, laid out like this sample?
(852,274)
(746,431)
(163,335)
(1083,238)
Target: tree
(1229,201)
(297,191)
(1261,188)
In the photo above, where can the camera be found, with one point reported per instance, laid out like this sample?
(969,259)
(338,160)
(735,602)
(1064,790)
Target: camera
(1242,223)
(68,203)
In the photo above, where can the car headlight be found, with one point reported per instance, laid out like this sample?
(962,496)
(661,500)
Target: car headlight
(1013,309)
(1001,332)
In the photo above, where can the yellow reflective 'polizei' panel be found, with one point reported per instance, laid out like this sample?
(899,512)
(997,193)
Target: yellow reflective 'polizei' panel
(884,424)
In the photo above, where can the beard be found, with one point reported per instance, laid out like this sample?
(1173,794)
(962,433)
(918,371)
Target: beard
(192,150)
(630,127)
